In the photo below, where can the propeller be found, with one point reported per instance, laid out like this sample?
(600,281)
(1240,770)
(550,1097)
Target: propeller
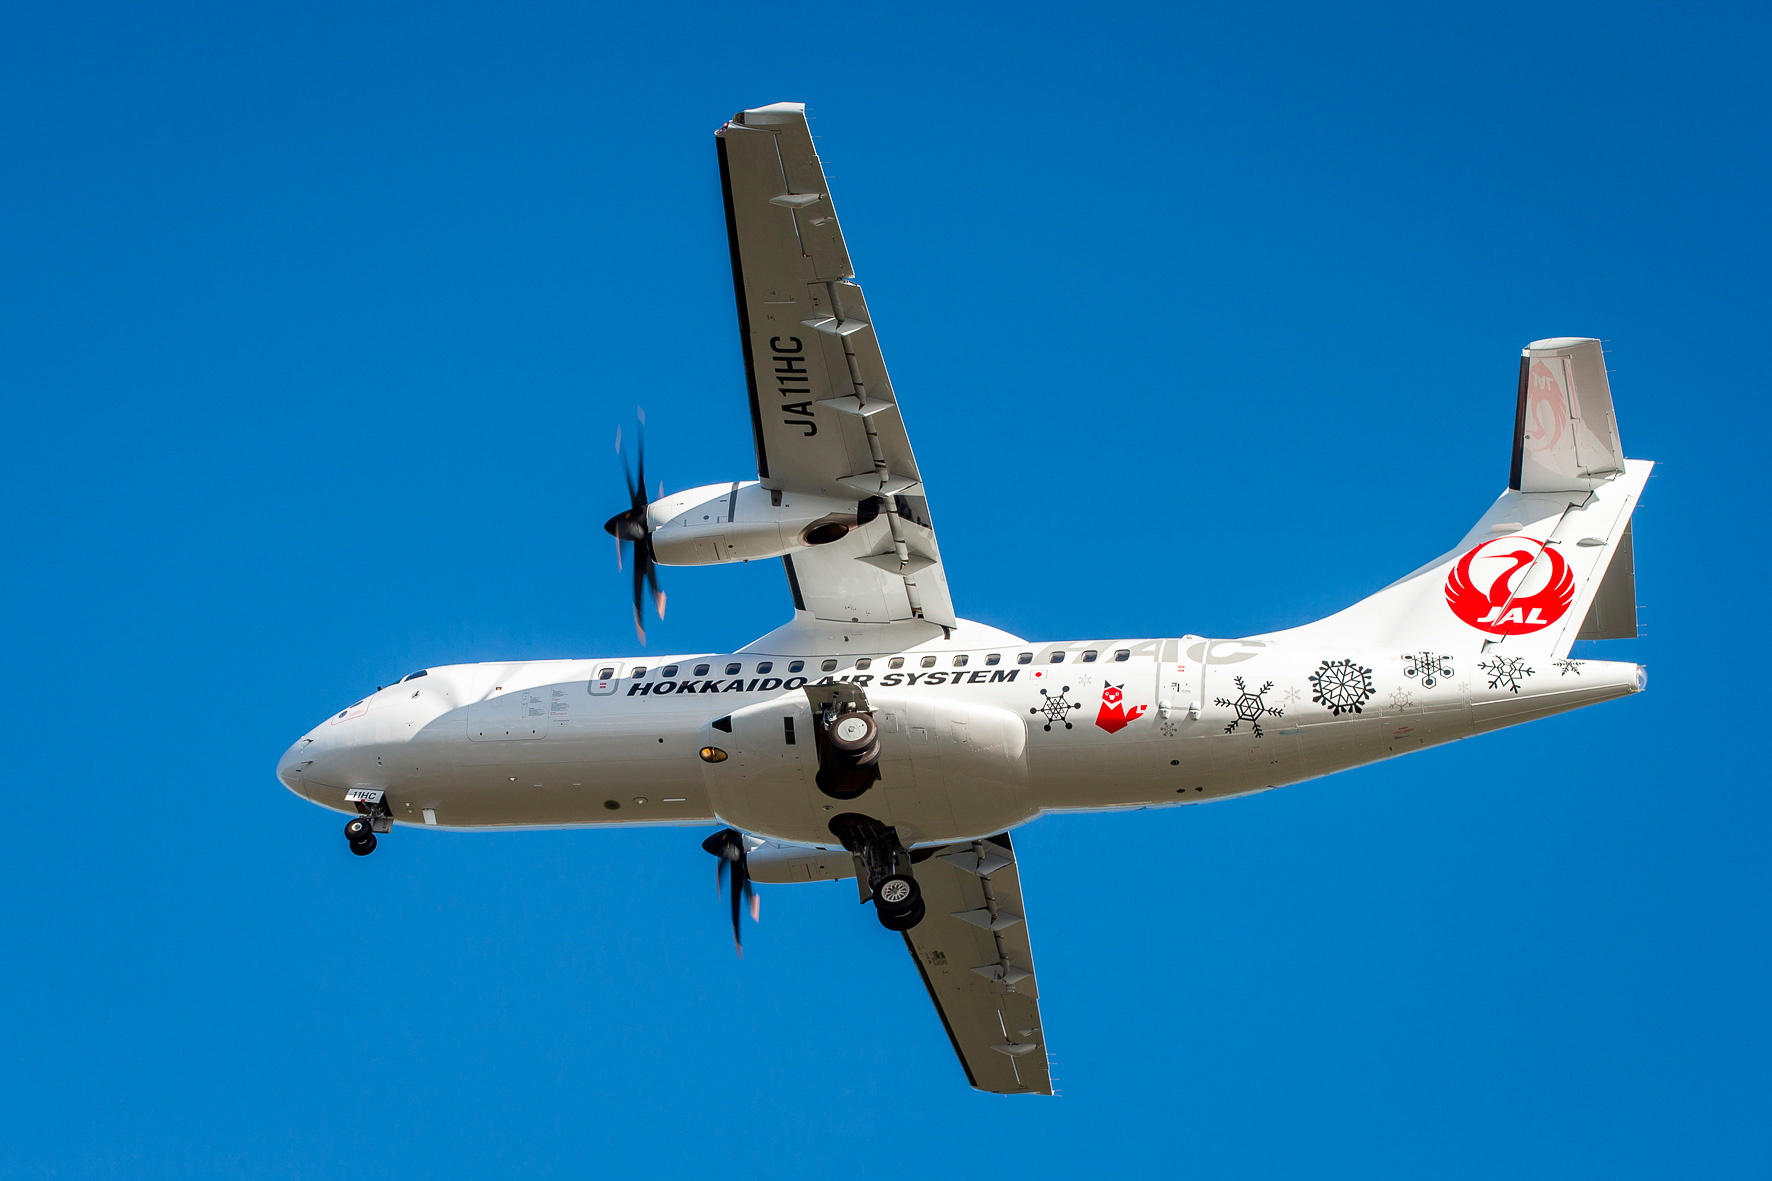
(728,846)
(634,528)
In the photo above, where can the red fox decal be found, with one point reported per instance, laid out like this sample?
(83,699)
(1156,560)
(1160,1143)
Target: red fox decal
(1114,715)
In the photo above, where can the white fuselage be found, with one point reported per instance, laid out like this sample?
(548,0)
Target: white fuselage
(975,740)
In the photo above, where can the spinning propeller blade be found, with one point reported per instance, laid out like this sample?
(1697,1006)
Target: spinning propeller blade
(728,846)
(634,527)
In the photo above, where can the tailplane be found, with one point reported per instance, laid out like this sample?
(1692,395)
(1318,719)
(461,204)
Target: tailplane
(1551,561)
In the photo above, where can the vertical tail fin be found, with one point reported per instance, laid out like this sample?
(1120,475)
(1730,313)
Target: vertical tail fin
(1551,561)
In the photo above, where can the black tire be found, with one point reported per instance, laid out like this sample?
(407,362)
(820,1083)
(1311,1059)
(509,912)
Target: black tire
(364,847)
(852,734)
(870,756)
(898,894)
(906,920)
(359,829)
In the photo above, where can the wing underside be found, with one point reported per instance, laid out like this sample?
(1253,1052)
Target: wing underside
(824,418)
(973,952)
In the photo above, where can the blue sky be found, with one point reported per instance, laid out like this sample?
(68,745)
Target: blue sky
(317,324)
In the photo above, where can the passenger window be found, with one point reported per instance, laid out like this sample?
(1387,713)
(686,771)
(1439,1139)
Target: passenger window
(796,666)
(603,674)
(1025,658)
(960,661)
(1089,656)
(638,672)
(1123,654)
(763,667)
(994,658)
(895,662)
(928,662)
(1058,658)
(829,666)
(701,670)
(732,669)
(865,663)
(670,670)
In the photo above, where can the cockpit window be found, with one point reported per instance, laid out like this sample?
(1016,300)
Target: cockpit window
(423,672)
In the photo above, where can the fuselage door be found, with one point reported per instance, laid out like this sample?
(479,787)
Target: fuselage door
(605,677)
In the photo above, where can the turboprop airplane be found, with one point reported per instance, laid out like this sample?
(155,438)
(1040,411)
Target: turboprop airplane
(878,736)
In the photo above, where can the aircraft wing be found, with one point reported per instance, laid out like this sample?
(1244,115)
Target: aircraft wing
(824,417)
(973,952)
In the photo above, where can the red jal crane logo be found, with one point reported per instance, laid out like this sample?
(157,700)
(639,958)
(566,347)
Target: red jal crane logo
(1503,588)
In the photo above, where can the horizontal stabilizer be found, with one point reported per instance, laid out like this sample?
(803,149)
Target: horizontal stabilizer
(1565,434)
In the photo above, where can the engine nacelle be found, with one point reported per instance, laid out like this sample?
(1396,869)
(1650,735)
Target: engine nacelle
(744,521)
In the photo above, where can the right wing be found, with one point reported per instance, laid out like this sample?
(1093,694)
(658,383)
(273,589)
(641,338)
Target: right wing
(824,417)
(973,952)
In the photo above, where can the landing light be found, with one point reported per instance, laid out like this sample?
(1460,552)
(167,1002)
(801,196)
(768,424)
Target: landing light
(712,754)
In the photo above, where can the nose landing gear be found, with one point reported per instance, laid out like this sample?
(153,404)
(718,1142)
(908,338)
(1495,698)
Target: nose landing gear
(374,817)
(361,836)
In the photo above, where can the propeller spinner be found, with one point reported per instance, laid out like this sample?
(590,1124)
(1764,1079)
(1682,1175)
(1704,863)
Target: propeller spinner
(633,527)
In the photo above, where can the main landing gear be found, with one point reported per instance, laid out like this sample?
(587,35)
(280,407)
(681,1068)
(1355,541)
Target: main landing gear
(884,865)
(899,902)
(848,741)
(373,817)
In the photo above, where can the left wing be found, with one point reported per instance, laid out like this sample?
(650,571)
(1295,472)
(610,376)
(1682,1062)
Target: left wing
(973,951)
(824,417)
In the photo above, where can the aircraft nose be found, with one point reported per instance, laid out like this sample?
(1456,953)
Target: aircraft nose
(294,763)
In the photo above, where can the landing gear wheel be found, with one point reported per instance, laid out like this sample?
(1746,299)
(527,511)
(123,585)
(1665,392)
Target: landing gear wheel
(905,921)
(897,894)
(364,847)
(359,829)
(853,733)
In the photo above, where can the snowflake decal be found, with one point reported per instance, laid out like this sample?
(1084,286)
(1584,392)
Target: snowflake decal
(1428,667)
(1250,707)
(1506,672)
(1464,686)
(1084,681)
(1342,685)
(1569,666)
(1055,708)
(1401,699)
(1168,729)
(1291,696)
